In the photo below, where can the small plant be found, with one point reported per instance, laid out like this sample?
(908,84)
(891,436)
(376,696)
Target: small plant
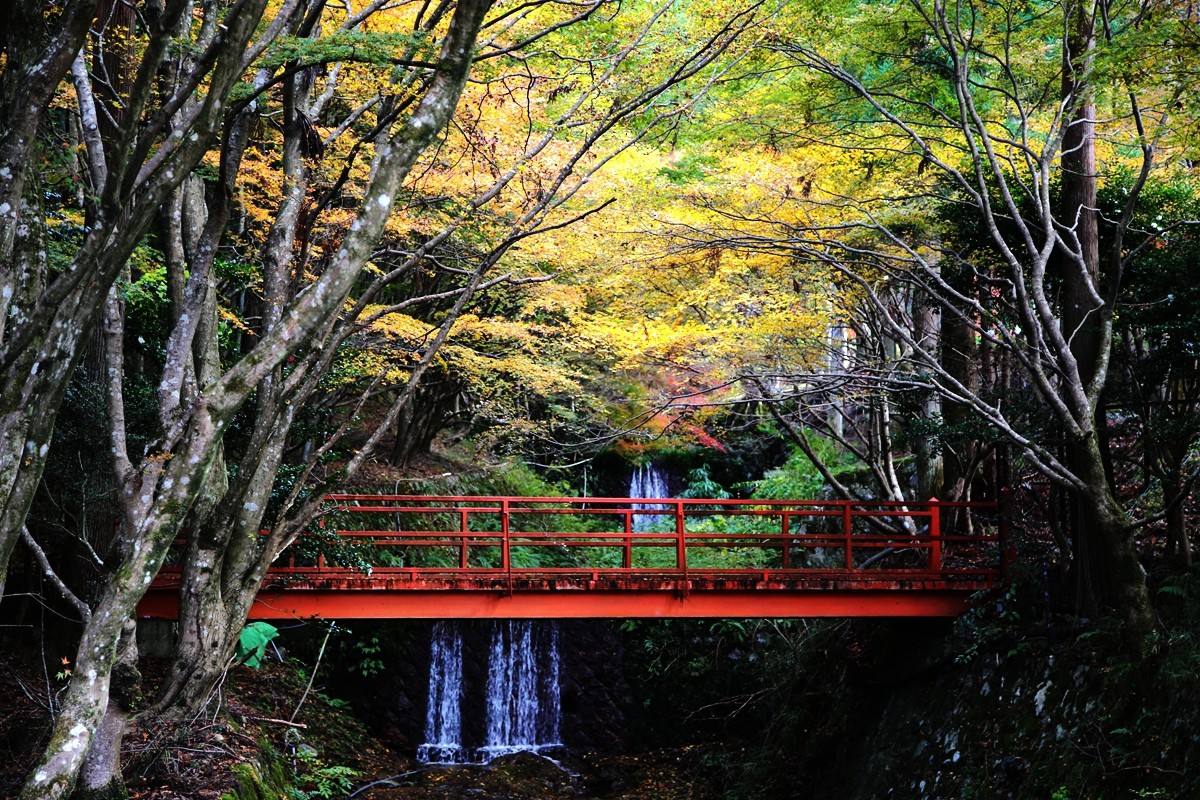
(369,664)
(323,780)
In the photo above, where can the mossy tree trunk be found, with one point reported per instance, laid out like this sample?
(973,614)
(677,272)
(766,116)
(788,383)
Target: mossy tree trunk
(227,557)
(159,491)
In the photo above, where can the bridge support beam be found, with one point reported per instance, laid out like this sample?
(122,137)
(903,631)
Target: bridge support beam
(567,604)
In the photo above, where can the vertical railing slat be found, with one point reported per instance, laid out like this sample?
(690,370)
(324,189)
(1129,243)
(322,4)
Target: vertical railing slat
(680,543)
(627,557)
(464,528)
(935,535)
(847,530)
(505,550)
(785,532)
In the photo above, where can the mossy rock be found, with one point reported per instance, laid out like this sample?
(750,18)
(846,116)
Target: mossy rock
(253,783)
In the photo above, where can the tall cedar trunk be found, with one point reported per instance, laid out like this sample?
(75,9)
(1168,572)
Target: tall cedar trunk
(960,357)
(1108,572)
(930,465)
(838,349)
(1179,548)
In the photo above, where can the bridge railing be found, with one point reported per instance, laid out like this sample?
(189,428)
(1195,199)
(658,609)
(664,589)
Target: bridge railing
(449,537)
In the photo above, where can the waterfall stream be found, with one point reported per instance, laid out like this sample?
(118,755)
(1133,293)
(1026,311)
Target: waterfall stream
(522,688)
(648,481)
(443,717)
(521,700)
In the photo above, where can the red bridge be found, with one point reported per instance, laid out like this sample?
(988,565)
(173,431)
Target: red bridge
(551,557)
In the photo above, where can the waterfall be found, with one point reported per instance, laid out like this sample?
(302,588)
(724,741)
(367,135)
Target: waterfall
(522,695)
(522,689)
(443,717)
(647,481)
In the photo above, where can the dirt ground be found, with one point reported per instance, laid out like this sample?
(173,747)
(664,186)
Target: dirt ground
(321,749)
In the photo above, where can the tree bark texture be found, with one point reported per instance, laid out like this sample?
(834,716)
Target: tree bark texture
(225,569)
(45,337)
(1108,571)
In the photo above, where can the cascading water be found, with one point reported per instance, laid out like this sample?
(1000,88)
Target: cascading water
(443,717)
(647,481)
(522,703)
(522,689)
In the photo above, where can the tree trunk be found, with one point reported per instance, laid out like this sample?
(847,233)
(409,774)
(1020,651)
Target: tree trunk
(34,65)
(1179,548)
(220,582)
(44,337)
(960,358)
(1082,315)
(927,332)
(1108,572)
(423,418)
(101,778)
(99,667)
(202,652)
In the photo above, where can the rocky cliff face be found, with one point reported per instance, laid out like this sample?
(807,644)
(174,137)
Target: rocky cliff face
(595,693)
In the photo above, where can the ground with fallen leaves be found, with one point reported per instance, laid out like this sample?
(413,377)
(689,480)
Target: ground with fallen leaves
(324,751)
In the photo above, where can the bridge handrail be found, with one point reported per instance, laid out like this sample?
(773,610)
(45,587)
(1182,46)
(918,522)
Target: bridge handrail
(787,549)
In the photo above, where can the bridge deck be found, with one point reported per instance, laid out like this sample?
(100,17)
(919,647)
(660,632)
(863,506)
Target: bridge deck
(485,557)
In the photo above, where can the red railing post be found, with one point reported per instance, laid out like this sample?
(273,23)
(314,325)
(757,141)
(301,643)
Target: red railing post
(505,551)
(627,559)
(785,532)
(680,544)
(935,535)
(847,529)
(463,529)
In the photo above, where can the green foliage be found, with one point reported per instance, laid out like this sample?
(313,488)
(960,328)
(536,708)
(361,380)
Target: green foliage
(253,641)
(701,678)
(369,663)
(318,779)
(65,230)
(799,478)
(369,47)
(689,169)
(146,304)
(994,617)
(700,484)
(324,540)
